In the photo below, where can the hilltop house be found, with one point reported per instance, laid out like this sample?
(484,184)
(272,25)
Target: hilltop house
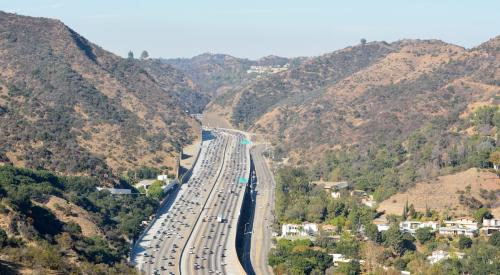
(412,226)
(490,226)
(299,230)
(461,226)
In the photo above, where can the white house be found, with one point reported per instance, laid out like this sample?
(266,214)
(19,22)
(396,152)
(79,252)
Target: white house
(461,226)
(163,178)
(299,230)
(412,226)
(339,258)
(462,222)
(440,255)
(490,226)
(382,227)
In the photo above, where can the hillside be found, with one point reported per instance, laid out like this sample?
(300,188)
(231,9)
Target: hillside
(449,194)
(69,106)
(63,225)
(215,73)
(367,93)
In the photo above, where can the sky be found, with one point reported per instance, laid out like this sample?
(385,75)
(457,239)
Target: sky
(257,28)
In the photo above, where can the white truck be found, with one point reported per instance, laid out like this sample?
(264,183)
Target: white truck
(220,218)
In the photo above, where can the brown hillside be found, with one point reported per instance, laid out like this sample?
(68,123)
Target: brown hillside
(68,105)
(371,93)
(442,194)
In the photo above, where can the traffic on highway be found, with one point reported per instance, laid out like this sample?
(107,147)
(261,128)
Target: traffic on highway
(194,230)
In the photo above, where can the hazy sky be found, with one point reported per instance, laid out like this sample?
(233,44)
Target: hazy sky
(256,28)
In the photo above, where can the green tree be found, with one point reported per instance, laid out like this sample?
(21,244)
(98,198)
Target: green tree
(481,214)
(156,190)
(424,234)
(350,268)
(394,239)
(464,242)
(372,233)
(144,55)
(482,259)
(130,55)
(348,246)
(495,239)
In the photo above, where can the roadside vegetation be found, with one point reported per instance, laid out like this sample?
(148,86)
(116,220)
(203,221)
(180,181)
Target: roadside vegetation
(34,237)
(381,171)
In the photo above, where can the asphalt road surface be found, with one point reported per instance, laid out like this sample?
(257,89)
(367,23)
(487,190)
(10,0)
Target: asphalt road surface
(188,223)
(211,248)
(264,213)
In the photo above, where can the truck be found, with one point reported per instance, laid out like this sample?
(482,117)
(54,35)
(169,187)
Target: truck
(220,218)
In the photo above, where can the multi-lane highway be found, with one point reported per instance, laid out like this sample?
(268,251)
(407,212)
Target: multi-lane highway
(211,249)
(195,232)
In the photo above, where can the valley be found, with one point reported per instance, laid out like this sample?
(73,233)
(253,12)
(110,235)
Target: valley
(374,158)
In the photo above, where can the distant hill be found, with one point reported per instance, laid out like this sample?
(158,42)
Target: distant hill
(69,106)
(366,93)
(214,73)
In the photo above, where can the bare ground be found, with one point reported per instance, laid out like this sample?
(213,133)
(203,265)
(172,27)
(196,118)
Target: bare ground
(441,194)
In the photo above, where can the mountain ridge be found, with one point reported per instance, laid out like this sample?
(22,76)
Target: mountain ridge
(76,102)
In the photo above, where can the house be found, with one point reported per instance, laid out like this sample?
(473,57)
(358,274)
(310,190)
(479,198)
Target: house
(383,227)
(339,258)
(369,201)
(144,184)
(490,226)
(440,255)
(299,230)
(462,222)
(457,230)
(412,226)
(461,226)
(358,193)
(163,178)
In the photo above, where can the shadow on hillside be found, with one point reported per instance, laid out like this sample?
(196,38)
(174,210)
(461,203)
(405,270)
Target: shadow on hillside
(9,268)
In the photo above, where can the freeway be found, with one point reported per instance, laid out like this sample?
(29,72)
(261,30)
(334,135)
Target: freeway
(263,216)
(185,237)
(158,250)
(211,249)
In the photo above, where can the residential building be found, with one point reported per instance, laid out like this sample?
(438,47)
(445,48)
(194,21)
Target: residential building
(339,258)
(440,255)
(462,222)
(299,230)
(412,226)
(369,201)
(163,178)
(461,226)
(383,227)
(490,226)
(144,184)
(457,230)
